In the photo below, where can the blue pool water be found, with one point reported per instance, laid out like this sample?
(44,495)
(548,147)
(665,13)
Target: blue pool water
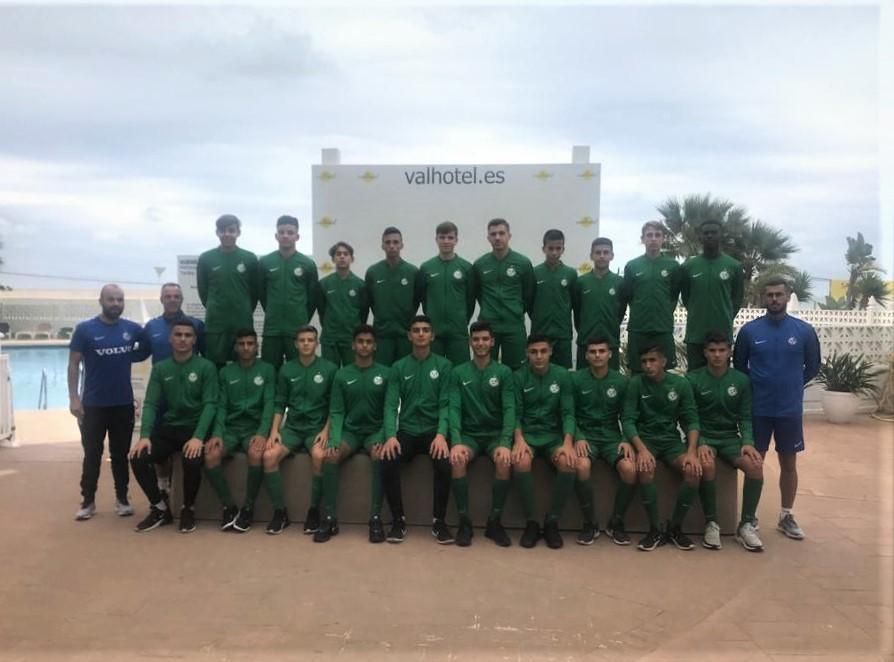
(25,366)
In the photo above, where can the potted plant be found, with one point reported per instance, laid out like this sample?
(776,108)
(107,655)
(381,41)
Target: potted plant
(846,377)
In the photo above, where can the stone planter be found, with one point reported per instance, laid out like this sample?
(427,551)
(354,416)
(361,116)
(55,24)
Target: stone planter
(840,407)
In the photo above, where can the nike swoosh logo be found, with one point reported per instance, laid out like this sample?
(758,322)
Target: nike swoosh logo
(235,381)
(330,291)
(759,342)
(487,271)
(215,268)
(706,392)
(350,381)
(409,377)
(379,282)
(294,379)
(530,388)
(467,383)
(645,397)
(167,379)
(273,269)
(586,291)
(696,275)
(586,392)
(638,273)
(156,335)
(98,337)
(541,282)
(433,275)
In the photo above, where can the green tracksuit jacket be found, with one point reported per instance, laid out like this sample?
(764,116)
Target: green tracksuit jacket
(228,288)
(597,405)
(420,389)
(189,392)
(544,404)
(305,391)
(392,297)
(551,311)
(358,401)
(447,292)
(712,291)
(482,403)
(652,409)
(246,398)
(504,289)
(651,289)
(343,304)
(288,289)
(724,405)
(599,307)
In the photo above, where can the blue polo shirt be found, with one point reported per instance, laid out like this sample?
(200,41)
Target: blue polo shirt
(155,339)
(107,351)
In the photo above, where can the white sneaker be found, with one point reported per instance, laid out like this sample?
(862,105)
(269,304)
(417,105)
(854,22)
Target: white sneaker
(85,512)
(123,509)
(746,535)
(712,536)
(789,527)
(164,484)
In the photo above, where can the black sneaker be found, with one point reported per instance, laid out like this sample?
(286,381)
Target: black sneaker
(464,533)
(187,520)
(327,529)
(495,531)
(551,534)
(680,539)
(279,522)
(530,535)
(441,532)
(376,530)
(650,541)
(617,533)
(244,520)
(588,534)
(154,519)
(398,530)
(229,517)
(312,521)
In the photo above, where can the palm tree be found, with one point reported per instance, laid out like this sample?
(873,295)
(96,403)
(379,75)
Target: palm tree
(871,285)
(862,265)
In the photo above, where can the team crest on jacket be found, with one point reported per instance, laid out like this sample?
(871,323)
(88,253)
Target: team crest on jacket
(318,378)
(672,396)
(258,380)
(458,274)
(299,272)
(493,381)
(404,281)
(434,374)
(377,380)
(732,391)
(193,377)
(240,268)
(352,293)
(125,335)
(724,275)
(664,273)
(553,388)
(792,340)
(564,282)
(510,272)
(611,291)
(611,392)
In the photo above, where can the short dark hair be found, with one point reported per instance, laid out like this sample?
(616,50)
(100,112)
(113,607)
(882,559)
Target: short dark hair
(184,321)
(553,235)
(364,328)
(774,281)
(651,347)
(602,241)
(307,328)
(481,326)
(226,221)
(446,228)
(287,220)
(421,319)
(171,284)
(655,225)
(392,230)
(535,338)
(598,340)
(497,221)
(341,244)
(716,336)
(246,332)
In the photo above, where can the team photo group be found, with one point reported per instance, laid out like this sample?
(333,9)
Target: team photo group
(429,377)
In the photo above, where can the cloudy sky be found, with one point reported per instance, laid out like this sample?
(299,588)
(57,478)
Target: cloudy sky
(125,131)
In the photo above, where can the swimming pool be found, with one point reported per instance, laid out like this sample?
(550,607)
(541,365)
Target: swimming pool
(26,364)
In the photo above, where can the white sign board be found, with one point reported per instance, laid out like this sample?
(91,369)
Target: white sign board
(354,203)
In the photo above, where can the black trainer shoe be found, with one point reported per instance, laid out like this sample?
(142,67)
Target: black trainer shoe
(376,530)
(617,533)
(327,529)
(229,517)
(495,531)
(279,522)
(312,521)
(154,519)
(398,530)
(530,535)
(244,520)
(464,533)
(441,532)
(588,534)
(650,541)
(680,539)
(551,534)
(187,520)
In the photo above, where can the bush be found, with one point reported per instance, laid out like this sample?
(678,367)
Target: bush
(844,373)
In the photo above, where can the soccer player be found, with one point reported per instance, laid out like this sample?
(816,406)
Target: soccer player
(155,340)
(544,427)
(551,312)
(599,305)
(227,279)
(391,286)
(651,289)
(598,398)
(342,303)
(711,288)
(482,420)
(188,386)
(247,389)
(105,345)
(418,389)
(780,354)
(355,412)
(656,402)
(504,288)
(303,387)
(287,290)
(444,284)
(723,398)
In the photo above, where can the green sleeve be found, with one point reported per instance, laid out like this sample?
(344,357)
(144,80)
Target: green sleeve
(209,401)
(364,303)
(454,415)
(566,403)
(419,289)
(254,282)
(518,382)
(626,294)
(202,280)
(476,283)
(269,396)
(336,413)
(676,284)
(282,392)
(392,400)
(150,403)
(444,399)
(745,430)
(320,302)
(262,286)
(737,292)
(470,295)
(220,418)
(313,284)
(630,412)
(688,410)
(509,413)
(684,284)
(529,288)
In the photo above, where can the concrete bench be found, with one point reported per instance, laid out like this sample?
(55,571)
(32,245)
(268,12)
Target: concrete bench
(353,498)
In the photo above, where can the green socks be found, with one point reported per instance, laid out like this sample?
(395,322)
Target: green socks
(751,495)
(585,496)
(623,497)
(684,500)
(253,485)
(375,496)
(525,482)
(707,493)
(273,481)
(498,499)
(330,487)
(649,494)
(316,491)
(563,486)
(219,483)
(461,495)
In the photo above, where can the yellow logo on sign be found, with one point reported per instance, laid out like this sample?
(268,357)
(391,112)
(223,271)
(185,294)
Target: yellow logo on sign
(587,174)
(368,176)
(326,175)
(543,175)
(327,222)
(586,222)
(326,267)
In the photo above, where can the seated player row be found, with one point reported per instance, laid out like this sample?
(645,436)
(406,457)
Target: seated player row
(423,405)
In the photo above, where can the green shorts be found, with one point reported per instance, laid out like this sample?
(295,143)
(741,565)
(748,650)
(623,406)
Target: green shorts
(610,452)
(730,450)
(666,450)
(298,440)
(544,444)
(480,445)
(360,441)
